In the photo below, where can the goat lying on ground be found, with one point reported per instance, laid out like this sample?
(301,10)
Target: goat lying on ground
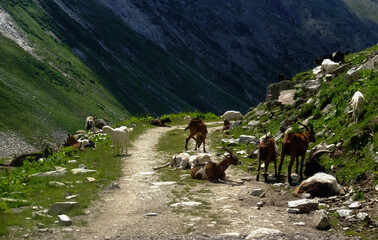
(198,132)
(73,142)
(295,145)
(268,152)
(18,161)
(319,185)
(232,116)
(357,103)
(180,161)
(120,137)
(212,171)
(160,122)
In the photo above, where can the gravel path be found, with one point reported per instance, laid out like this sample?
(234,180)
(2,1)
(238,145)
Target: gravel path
(140,209)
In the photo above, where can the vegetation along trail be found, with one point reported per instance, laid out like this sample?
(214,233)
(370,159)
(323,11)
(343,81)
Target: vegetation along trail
(143,205)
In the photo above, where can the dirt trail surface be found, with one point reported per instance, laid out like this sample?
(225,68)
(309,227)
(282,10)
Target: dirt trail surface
(140,209)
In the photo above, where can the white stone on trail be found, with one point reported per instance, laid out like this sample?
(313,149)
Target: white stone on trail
(222,199)
(163,183)
(262,232)
(151,214)
(187,204)
(82,170)
(144,173)
(233,234)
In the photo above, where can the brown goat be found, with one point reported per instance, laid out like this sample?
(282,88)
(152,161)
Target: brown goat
(268,152)
(160,122)
(212,171)
(226,125)
(198,132)
(295,145)
(71,141)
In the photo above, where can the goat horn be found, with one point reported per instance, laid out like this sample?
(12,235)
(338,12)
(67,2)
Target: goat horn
(230,152)
(314,155)
(304,126)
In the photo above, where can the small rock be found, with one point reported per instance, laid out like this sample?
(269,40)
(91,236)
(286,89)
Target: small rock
(91,179)
(306,195)
(151,215)
(40,225)
(82,170)
(256,192)
(260,204)
(249,179)
(304,205)
(115,186)
(71,161)
(362,216)
(230,211)
(71,197)
(344,213)
(293,210)
(64,220)
(67,229)
(187,204)
(300,223)
(62,207)
(262,232)
(321,220)
(355,205)
(56,184)
(262,195)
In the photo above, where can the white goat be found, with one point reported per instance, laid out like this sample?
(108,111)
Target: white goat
(357,103)
(328,66)
(119,136)
(199,159)
(89,123)
(232,115)
(180,161)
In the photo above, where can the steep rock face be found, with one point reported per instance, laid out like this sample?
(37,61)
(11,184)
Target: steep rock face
(249,40)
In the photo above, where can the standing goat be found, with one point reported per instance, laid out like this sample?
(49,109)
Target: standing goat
(120,137)
(212,171)
(268,152)
(198,132)
(357,103)
(295,145)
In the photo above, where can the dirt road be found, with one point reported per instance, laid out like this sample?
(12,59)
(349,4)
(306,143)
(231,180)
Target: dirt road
(140,209)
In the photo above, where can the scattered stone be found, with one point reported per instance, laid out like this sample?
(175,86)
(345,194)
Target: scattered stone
(256,192)
(260,204)
(151,215)
(91,179)
(163,183)
(287,97)
(114,186)
(300,223)
(253,123)
(304,205)
(355,205)
(71,197)
(187,204)
(262,195)
(62,207)
(263,232)
(230,142)
(14,200)
(306,195)
(82,170)
(362,216)
(72,161)
(249,179)
(234,234)
(67,229)
(40,225)
(56,184)
(276,185)
(230,211)
(376,188)
(41,214)
(64,220)
(293,210)
(344,213)
(58,172)
(321,220)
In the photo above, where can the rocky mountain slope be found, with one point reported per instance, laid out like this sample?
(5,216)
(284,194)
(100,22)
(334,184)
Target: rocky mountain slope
(63,60)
